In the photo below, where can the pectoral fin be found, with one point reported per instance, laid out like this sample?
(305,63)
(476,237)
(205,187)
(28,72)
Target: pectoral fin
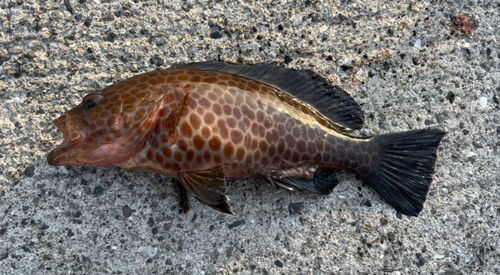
(208,186)
(172,121)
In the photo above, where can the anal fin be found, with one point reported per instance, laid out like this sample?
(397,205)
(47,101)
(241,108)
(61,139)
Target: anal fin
(208,186)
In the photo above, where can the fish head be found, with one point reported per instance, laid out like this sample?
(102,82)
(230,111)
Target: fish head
(108,127)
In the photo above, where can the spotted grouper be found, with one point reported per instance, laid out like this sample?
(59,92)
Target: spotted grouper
(201,123)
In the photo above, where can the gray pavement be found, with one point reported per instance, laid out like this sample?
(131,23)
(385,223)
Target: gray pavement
(406,63)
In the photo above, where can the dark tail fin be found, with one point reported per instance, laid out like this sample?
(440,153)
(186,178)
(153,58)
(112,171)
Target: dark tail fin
(402,171)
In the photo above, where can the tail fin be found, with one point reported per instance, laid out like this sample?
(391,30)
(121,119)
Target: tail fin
(403,172)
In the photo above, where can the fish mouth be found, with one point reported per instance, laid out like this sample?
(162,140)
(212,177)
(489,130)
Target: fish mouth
(75,133)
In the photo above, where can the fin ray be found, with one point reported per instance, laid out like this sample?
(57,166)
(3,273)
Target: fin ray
(323,182)
(403,173)
(208,186)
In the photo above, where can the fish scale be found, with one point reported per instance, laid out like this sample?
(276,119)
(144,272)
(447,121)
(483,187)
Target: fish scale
(203,122)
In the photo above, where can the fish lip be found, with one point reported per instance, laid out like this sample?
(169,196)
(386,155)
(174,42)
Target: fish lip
(63,154)
(53,158)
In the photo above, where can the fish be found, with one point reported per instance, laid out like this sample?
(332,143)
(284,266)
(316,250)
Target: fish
(200,123)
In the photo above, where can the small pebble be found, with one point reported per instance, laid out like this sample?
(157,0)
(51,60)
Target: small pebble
(442,117)
(418,44)
(450,97)
(295,208)
(482,101)
(297,22)
(236,224)
(215,35)
(278,263)
(108,16)
(29,171)
(496,99)
(98,190)
(4,256)
(16,100)
(127,211)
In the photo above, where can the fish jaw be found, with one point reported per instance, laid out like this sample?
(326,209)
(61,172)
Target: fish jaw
(71,150)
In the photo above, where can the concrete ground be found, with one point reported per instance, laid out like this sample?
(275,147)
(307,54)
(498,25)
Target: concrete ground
(409,64)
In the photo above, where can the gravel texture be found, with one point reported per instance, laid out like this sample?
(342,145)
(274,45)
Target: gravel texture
(410,65)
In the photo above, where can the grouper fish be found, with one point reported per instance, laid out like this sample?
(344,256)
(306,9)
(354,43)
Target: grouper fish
(201,123)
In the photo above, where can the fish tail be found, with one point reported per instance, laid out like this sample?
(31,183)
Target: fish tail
(400,167)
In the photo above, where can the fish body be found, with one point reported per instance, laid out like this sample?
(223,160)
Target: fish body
(203,122)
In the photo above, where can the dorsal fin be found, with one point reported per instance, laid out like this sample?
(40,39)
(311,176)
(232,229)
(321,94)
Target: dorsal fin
(330,100)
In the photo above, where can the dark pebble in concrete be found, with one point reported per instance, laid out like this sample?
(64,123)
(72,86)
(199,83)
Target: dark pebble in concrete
(421,261)
(367,203)
(2,231)
(70,233)
(29,171)
(98,190)
(4,256)
(346,67)
(450,97)
(477,144)
(111,37)
(495,98)
(236,224)
(211,228)
(288,59)
(108,16)
(384,221)
(295,207)
(215,35)
(127,211)
(278,263)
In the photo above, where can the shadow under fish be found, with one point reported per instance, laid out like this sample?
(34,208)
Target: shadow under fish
(201,123)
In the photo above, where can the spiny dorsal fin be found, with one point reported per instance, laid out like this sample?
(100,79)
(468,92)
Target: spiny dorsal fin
(208,186)
(330,100)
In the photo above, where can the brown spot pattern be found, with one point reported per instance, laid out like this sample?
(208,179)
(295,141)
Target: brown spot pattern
(231,120)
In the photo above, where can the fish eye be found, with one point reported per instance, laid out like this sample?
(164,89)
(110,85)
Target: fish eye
(90,103)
